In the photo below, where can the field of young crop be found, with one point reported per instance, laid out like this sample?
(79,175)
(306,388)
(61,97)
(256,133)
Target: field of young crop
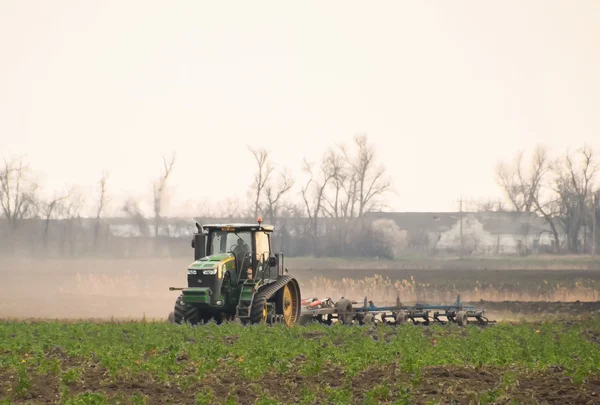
(143,362)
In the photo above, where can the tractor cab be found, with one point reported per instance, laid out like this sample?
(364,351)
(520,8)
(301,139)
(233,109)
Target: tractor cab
(247,246)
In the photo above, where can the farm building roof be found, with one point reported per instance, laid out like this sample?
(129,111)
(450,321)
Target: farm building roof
(494,222)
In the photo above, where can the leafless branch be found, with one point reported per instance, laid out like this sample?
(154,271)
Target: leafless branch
(369,180)
(101,205)
(159,190)
(50,210)
(274,193)
(264,170)
(17,192)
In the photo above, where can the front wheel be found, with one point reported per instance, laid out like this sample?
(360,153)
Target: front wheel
(187,313)
(179,312)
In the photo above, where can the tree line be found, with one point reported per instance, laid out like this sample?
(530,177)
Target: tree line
(346,183)
(561,190)
(320,210)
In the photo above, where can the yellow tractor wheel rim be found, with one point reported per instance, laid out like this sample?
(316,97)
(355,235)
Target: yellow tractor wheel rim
(288,307)
(265,313)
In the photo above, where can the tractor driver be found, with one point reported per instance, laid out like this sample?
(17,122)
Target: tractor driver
(241,248)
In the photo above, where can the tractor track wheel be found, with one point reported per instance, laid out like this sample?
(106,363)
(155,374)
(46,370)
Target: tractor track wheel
(345,311)
(276,291)
(258,312)
(287,302)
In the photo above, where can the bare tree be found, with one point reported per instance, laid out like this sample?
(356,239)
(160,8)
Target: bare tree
(51,210)
(528,190)
(338,201)
(356,188)
(17,192)
(368,180)
(287,212)
(261,178)
(73,205)
(204,209)
(274,193)
(267,193)
(101,205)
(563,200)
(159,191)
(522,186)
(313,194)
(132,209)
(70,212)
(549,210)
(573,186)
(230,209)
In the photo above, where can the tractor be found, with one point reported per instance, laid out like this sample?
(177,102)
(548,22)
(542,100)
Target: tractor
(236,275)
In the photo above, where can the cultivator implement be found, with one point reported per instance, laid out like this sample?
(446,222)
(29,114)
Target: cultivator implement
(346,312)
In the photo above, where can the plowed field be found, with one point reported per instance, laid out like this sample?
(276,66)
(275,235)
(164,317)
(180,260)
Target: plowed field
(546,349)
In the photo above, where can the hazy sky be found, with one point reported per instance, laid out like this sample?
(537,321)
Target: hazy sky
(444,89)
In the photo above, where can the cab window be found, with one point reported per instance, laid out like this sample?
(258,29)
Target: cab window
(262,246)
(223,242)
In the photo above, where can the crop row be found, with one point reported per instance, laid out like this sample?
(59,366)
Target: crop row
(144,362)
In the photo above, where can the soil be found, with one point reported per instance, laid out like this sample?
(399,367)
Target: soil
(100,290)
(540,307)
(450,384)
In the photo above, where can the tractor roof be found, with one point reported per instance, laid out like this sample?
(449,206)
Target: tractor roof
(239,226)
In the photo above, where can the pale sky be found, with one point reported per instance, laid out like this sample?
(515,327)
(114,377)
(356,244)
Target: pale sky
(444,89)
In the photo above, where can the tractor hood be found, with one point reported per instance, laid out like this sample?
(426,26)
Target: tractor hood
(205,277)
(211,262)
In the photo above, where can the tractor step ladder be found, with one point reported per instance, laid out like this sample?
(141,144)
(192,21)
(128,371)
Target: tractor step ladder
(246,299)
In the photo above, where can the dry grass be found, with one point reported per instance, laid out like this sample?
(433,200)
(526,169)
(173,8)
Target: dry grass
(88,288)
(383,289)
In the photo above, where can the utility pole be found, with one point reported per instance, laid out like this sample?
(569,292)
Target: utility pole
(595,205)
(462,245)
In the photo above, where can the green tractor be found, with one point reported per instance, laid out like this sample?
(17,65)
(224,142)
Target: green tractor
(236,275)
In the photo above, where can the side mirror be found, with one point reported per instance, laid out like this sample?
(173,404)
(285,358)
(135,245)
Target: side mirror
(272,261)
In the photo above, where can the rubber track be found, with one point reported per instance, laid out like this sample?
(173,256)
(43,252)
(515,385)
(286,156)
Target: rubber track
(264,294)
(272,288)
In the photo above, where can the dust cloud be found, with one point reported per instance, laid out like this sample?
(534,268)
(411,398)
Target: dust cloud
(133,289)
(82,289)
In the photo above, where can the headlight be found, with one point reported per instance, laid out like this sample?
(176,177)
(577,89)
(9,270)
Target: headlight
(191,271)
(210,272)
